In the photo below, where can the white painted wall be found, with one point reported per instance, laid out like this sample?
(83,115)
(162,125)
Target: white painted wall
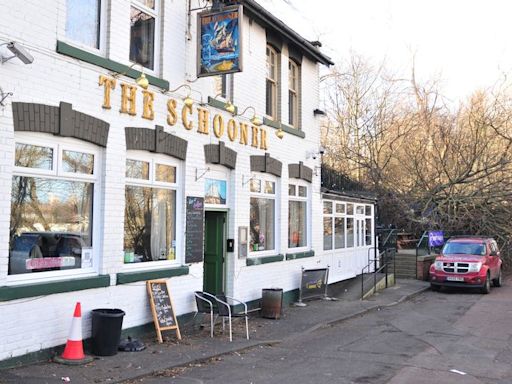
(40,322)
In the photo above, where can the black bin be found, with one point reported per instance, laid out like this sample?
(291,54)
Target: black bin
(106,331)
(271,303)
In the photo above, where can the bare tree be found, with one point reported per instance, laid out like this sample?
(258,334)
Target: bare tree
(432,166)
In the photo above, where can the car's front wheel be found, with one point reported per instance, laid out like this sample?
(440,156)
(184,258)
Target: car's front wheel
(487,286)
(497,281)
(435,287)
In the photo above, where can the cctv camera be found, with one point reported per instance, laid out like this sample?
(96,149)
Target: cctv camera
(321,150)
(313,156)
(20,52)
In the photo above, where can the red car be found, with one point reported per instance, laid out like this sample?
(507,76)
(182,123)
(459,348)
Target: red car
(467,262)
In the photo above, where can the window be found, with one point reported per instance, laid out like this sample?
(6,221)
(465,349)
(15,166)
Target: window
(143,33)
(346,225)
(262,215)
(150,211)
(368,225)
(53,190)
(224,85)
(83,22)
(327,233)
(271,83)
(350,232)
(297,216)
(334,225)
(293,94)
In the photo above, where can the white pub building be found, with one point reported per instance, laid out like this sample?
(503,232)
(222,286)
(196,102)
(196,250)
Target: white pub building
(133,149)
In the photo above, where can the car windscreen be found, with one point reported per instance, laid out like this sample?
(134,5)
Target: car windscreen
(461,248)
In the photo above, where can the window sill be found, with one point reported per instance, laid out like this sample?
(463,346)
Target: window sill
(100,61)
(264,260)
(220,104)
(8,293)
(131,277)
(284,127)
(300,255)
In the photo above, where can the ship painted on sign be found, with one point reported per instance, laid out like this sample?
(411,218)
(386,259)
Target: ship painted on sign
(223,41)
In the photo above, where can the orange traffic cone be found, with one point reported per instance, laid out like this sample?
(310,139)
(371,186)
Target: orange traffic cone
(74,350)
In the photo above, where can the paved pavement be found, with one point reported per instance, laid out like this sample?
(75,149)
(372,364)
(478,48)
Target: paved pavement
(197,347)
(455,336)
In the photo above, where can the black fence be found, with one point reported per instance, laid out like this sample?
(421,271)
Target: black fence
(339,182)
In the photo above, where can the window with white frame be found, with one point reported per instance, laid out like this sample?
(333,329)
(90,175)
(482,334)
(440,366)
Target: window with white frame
(143,32)
(368,225)
(347,225)
(54,186)
(262,214)
(334,225)
(350,226)
(272,82)
(328,225)
(150,210)
(83,22)
(293,93)
(297,215)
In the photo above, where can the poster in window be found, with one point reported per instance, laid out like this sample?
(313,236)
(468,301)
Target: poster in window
(215,191)
(219,45)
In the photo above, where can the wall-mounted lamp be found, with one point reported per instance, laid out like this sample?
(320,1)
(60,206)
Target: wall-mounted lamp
(4,96)
(18,51)
(254,119)
(142,81)
(315,153)
(228,106)
(187,100)
(280,133)
(318,112)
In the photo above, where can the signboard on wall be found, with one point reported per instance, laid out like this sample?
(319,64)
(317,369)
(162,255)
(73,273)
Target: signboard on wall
(194,235)
(219,43)
(435,239)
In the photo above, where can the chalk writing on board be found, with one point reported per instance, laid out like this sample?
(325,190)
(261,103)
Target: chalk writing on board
(194,230)
(163,307)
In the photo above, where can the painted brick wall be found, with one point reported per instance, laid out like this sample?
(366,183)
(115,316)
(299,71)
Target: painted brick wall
(44,321)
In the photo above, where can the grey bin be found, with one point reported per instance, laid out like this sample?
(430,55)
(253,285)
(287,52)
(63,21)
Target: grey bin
(106,331)
(271,303)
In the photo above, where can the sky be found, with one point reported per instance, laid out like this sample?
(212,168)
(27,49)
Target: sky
(466,44)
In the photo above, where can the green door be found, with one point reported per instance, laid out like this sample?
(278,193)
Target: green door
(214,252)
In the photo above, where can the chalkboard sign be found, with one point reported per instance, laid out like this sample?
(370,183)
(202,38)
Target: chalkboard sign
(161,307)
(195,230)
(313,283)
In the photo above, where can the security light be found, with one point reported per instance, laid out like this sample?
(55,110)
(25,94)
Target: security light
(19,51)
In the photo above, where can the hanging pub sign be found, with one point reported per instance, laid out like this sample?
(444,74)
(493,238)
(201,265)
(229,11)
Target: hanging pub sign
(219,43)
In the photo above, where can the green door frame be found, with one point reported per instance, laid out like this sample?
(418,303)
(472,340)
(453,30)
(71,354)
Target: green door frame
(214,251)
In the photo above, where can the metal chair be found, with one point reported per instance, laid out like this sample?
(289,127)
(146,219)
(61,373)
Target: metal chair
(226,308)
(206,303)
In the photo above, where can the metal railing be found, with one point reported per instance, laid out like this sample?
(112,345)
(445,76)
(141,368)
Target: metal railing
(387,237)
(380,264)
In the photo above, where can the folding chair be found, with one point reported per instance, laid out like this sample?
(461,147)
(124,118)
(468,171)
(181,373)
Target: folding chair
(206,303)
(226,309)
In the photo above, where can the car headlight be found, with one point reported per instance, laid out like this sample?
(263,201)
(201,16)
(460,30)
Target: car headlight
(475,267)
(438,265)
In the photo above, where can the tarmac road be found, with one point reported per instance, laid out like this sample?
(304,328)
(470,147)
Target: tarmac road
(418,341)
